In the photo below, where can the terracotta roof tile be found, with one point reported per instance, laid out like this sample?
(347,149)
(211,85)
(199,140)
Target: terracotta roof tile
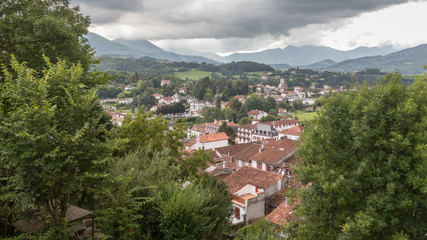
(295,131)
(282,122)
(275,150)
(248,126)
(279,198)
(249,175)
(241,151)
(282,214)
(255,112)
(213,137)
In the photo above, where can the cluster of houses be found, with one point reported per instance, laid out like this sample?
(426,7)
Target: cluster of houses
(279,93)
(257,169)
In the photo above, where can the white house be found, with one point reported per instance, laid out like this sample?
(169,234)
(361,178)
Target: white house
(164,82)
(264,131)
(211,141)
(125,100)
(292,133)
(158,96)
(250,189)
(167,100)
(257,114)
(129,87)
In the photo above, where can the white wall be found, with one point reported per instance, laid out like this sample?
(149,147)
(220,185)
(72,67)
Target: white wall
(215,144)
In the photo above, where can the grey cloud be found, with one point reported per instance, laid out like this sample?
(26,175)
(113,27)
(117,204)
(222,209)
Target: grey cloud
(108,11)
(219,19)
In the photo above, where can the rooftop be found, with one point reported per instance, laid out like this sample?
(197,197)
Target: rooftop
(274,150)
(213,137)
(249,175)
(295,131)
(282,214)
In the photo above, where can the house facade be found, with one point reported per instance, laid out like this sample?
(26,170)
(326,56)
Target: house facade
(211,141)
(250,189)
(264,131)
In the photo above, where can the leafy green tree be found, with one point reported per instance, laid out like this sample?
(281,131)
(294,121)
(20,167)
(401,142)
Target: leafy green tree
(259,230)
(193,210)
(242,113)
(199,89)
(218,102)
(267,118)
(208,95)
(245,120)
(270,103)
(255,101)
(209,114)
(235,104)
(297,105)
(146,129)
(146,189)
(53,136)
(273,112)
(172,108)
(365,159)
(228,114)
(29,29)
(229,131)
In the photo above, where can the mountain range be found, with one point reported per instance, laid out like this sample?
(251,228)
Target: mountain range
(137,49)
(408,61)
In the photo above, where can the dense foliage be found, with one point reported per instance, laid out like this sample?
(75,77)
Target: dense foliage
(53,137)
(29,29)
(365,160)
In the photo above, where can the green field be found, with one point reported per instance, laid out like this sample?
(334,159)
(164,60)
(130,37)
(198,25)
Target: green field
(305,116)
(193,74)
(196,74)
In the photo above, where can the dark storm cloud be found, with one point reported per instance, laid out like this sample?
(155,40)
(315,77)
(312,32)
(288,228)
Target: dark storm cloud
(107,11)
(175,19)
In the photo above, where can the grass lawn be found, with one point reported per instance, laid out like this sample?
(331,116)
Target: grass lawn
(193,74)
(305,116)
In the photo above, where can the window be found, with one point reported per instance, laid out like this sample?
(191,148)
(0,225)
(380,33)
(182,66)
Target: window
(240,163)
(246,163)
(237,213)
(269,168)
(259,165)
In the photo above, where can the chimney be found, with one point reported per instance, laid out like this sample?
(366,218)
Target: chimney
(286,201)
(229,152)
(262,147)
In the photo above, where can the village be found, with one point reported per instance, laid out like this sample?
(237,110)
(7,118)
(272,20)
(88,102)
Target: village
(257,164)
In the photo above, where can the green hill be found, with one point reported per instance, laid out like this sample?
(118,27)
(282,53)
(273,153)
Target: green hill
(408,61)
(137,49)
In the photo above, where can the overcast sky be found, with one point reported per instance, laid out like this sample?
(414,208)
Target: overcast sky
(226,26)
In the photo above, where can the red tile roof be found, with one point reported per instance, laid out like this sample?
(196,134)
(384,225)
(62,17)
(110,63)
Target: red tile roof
(213,137)
(282,122)
(248,126)
(239,96)
(295,131)
(274,151)
(201,128)
(282,214)
(249,175)
(255,112)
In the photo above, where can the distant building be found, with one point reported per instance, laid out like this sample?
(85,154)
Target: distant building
(257,114)
(211,141)
(164,82)
(264,131)
(129,87)
(250,189)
